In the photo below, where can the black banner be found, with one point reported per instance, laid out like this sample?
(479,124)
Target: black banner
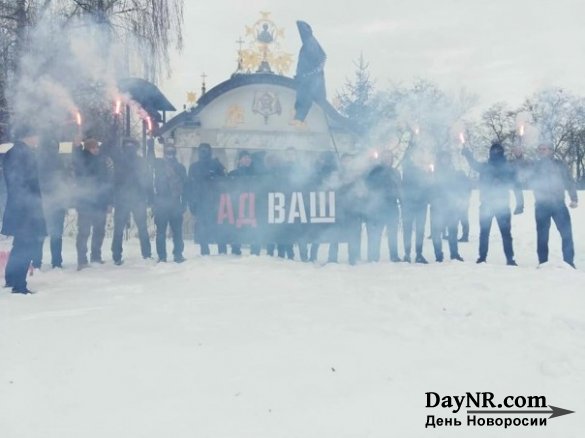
(264,210)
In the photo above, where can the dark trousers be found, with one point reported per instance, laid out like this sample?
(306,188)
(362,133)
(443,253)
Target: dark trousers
(414,214)
(560,214)
(443,216)
(463,218)
(375,227)
(90,221)
(164,218)
(37,260)
(200,236)
(285,251)
(333,252)
(353,235)
(504,219)
(303,251)
(237,249)
(221,248)
(23,251)
(121,218)
(55,222)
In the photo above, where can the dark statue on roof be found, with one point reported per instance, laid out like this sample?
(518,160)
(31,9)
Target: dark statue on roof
(310,77)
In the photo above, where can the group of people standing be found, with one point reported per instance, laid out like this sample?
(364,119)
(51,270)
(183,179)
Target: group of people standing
(376,194)
(105,177)
(101,178)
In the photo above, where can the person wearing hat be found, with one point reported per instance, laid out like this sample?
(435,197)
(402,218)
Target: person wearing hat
(170,180)
(383,182)
(550,179)
(496,178)
(132,191)
(93,171)
(23,217)
(201,173)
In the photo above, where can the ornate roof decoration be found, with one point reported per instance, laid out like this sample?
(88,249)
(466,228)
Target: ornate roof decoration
(263,52)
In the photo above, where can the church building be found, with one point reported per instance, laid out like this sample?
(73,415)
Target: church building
(254,109)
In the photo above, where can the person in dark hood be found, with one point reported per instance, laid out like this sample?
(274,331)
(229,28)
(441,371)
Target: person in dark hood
(444,207)
(132,193)
(170,180)
(310,77)
(496,178)
(202,173)
(384,192)
(416,191)
(55,188)
(549,179)
(23,217)
(93,172)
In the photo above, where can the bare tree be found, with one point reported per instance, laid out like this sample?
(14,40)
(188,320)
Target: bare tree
(148,29)
(66,54)
(499,124)
(422,115)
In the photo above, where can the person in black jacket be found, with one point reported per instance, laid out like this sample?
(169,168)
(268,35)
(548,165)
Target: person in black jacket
(23,217)
(93,172)
(53,178)
(132,192)
(201,174)
(549,180)
(496,178)
(416,188)
(170,180)
(384,184)
(444,207)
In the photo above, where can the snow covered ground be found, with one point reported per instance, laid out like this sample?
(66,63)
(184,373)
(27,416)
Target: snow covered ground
(259,347)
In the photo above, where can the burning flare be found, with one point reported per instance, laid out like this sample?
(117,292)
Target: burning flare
(521,130)
(118,109)
(149,124)
(462,138)
(78,118)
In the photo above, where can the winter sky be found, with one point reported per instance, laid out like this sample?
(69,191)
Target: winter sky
(502,50)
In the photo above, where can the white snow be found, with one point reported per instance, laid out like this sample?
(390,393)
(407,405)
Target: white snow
(260,347)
